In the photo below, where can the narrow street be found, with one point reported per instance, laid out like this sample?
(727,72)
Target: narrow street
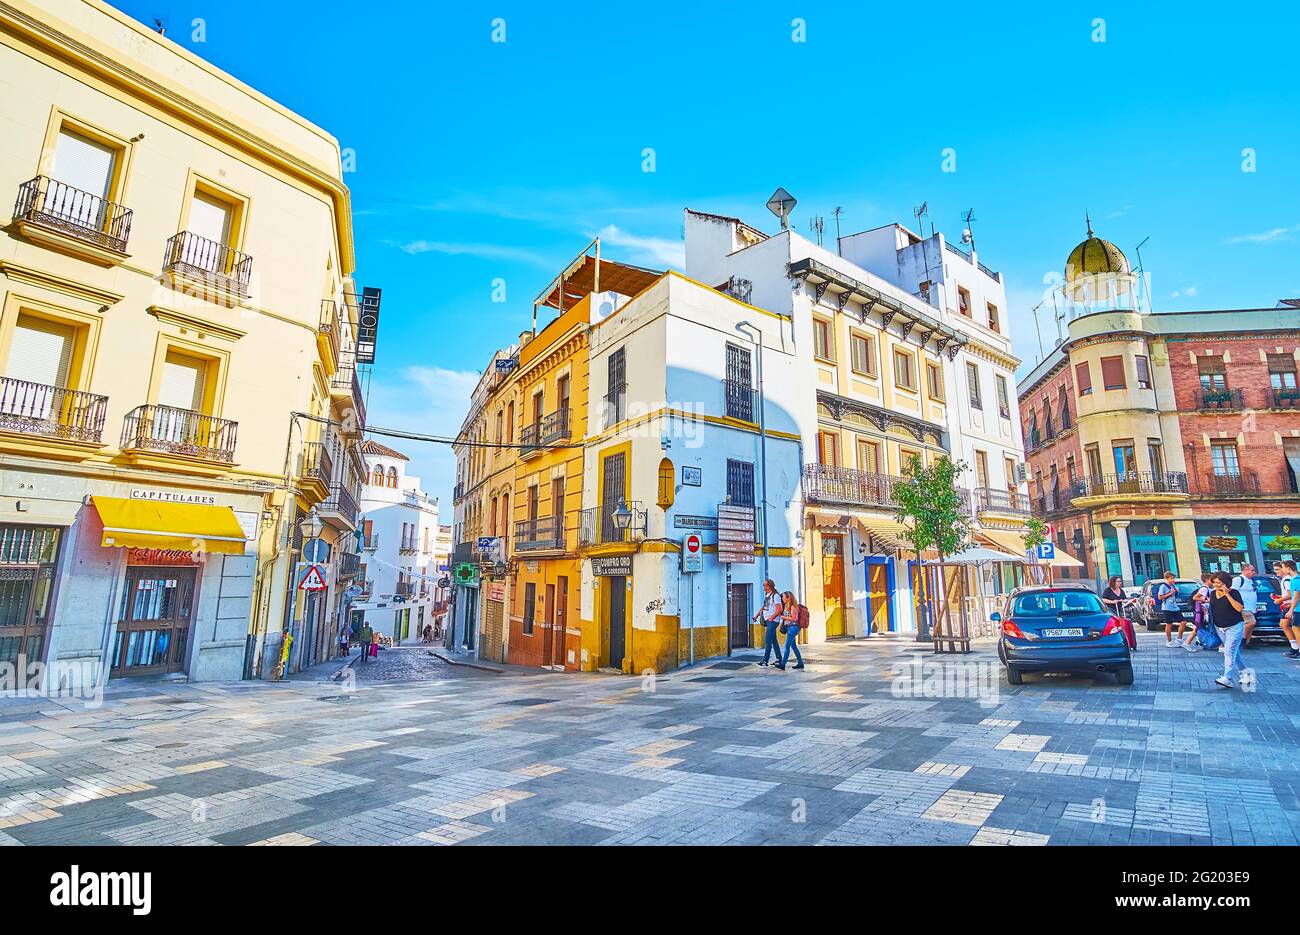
(842,753)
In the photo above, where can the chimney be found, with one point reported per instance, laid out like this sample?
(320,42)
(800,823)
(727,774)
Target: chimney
(524,338)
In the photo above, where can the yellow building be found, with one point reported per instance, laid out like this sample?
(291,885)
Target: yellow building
(174,236)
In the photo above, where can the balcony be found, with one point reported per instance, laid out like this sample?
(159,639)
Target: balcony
(51,211)
(835,485)
(1136,482)
(1005,502)
(532,535)
(215,266)
(738,398)
(317,469)
(329,333)
(1284,397)
(51,411)
(1219,399)
(458,492)
(596,525)
(341,507)
(370,542)
(1051,502)
(549,430)
(404,589)
(1277,482)
(349,564)
(409,546)
(345,387)
(182,432)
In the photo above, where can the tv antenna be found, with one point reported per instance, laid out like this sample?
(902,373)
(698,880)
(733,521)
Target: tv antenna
(968,232)
(919,213)
(836,214)
(1142,272)
(159,26)
(817,226)
(781,204)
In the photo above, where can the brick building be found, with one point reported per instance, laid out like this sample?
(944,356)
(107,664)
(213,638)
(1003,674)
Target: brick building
(1164,440)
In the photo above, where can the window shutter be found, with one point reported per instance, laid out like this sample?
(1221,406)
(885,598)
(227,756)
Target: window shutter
(182,383)
(1112,372)
(209,218)
(1143,370)
(83,164)
(40,352)
(1083,378)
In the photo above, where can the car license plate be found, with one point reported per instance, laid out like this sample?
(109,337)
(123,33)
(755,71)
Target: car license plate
(1064,631)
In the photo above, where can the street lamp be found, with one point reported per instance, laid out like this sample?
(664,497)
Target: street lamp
(311,525)
(621,516)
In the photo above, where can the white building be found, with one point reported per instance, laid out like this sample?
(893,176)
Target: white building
(676,427)
(399,545)
(882,378)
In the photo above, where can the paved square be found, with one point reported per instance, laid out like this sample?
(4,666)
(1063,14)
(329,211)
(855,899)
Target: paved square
(877,742)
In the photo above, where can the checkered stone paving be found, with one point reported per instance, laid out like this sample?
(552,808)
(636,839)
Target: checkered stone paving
(876,742)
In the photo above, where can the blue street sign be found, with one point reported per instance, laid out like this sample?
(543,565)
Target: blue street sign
(1047,551)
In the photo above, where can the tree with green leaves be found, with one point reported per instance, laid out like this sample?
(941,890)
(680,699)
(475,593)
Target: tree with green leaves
(1034,535)
(935,513)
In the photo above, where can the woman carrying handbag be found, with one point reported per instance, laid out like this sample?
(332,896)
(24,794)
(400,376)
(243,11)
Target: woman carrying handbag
(791,622)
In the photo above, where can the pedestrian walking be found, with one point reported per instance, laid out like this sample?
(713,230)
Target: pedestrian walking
(794,619)
(1200,614)
(1226,612)
(1167,601)
(1245,583)
(1285,602)
(345,639)
(1112,597)
(367,637)
(770,614)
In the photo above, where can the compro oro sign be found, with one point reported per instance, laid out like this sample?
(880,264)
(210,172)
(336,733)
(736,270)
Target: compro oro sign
(736,534)
(692,554)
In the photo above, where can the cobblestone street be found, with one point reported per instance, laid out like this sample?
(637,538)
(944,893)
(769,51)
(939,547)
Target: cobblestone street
(843,753)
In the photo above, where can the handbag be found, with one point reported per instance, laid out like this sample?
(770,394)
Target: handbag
(783,628)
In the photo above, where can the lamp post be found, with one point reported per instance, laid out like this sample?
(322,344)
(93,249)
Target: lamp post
(621,516)
(310,526)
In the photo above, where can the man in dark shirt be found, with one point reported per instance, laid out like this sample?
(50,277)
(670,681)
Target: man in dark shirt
(1226,612)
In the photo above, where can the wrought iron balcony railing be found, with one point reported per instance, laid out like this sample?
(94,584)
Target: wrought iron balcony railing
(89,218)
(404,589)
(1284,397)
(1219,399)
(331,324)
(317,463)
(1162,482)
(596,525)
(739,400)
(544,533)
(347,382)
(349,564)
(370,542)
(51,411)
(212,263)
(551,429)
(991,500)
(341,501)
(181,432)
(825,484)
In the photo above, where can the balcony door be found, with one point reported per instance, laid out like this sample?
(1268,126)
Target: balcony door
(210,218)
(40,358)
(613,485)
(86,167)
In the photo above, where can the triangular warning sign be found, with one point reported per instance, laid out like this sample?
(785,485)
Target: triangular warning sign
(313,580)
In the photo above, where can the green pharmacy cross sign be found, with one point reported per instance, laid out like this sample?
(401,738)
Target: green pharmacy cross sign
(466,573)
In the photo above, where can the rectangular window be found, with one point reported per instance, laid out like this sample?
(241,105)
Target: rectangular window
(1281,371)
(530,607)
(1093,454)
(1224,457)
(1125,458)
(183,382)
(740,482)
(864,354)
(1083,378)
(973,385)
(1143,371)
(868,457)
(963,301)
(1009,469)
(1112,373)
(828,449)
(1004,397)
(993,317)
(903,375)
(1156,452)
(41,351)
(982,468)
(211,218)
(1213,373)
(822,344)
(934,381)
(905,458)
(616,394)
(738,387)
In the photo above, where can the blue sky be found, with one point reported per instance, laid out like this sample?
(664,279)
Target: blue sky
(478,160)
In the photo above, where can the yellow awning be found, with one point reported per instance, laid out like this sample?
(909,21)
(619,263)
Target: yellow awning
(1012,542)
(148,524)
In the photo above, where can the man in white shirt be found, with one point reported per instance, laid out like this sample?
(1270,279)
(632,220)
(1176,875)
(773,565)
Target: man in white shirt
(1249,598)
(770,612)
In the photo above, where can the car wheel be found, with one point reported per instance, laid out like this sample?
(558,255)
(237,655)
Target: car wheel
(1125,675)
(1014,676)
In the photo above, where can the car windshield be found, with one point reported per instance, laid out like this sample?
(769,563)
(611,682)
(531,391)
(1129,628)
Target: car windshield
(1056,603)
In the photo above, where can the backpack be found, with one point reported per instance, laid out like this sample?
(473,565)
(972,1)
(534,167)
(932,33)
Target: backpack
(803,617)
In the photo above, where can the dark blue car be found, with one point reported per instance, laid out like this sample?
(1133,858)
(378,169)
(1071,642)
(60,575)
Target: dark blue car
(1268,616)
(1061,628)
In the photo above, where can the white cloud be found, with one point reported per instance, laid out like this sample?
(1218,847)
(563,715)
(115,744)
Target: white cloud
(484,251)
(1268,236)
(651,251)
(1188,292)
(430,401)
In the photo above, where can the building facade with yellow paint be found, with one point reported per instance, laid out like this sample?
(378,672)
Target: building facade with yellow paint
(178,356)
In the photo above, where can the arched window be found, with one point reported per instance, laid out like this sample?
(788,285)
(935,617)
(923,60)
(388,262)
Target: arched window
(667,487)
(392,477)
(505,516)
(379,475)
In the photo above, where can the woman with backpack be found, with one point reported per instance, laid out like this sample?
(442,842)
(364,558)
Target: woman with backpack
(794,617)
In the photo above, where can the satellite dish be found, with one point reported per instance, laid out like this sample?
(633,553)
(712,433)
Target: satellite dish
(781,204)
(965,235)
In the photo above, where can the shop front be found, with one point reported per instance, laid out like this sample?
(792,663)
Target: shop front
(1222,545)
(1152,550)
(1279,541)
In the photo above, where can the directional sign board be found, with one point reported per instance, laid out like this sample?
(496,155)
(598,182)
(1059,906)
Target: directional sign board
(736,534)
(692,554)
(311,577)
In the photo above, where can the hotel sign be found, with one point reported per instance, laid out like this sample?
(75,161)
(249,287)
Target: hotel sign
(368,325)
